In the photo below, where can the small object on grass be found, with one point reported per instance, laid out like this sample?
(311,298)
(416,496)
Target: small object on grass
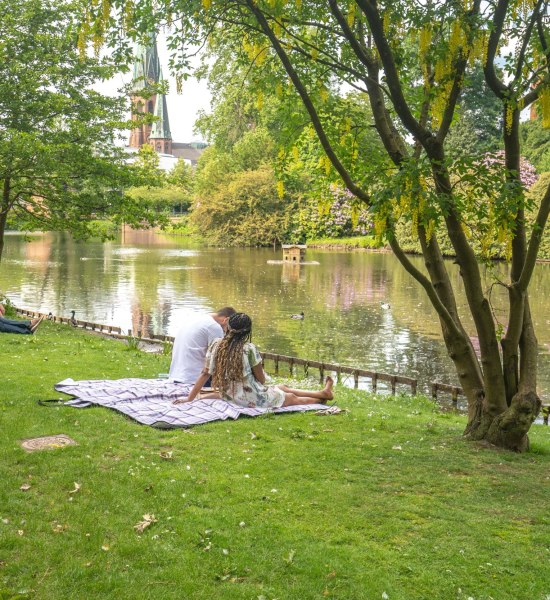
(147,521)
(72,320)
(298,316)
(47,442)
(331,410)
(76,488)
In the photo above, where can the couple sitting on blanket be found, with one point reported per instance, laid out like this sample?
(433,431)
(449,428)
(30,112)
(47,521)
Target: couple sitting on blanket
(235,367)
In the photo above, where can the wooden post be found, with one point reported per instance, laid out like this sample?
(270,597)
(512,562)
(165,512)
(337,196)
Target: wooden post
(374,382)
(355,379)
(291,366)
(306,368)
(322,372)
(414,385)
(434,391)
(338,375)
(393,385)
(276,365)
(454,395)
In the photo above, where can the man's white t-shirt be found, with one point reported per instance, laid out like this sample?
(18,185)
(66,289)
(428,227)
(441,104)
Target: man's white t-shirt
(190,346)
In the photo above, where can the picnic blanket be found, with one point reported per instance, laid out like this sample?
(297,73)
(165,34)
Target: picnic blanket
(149,401)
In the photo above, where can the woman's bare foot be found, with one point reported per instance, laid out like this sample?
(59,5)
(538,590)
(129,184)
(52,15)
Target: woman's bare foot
(327,390)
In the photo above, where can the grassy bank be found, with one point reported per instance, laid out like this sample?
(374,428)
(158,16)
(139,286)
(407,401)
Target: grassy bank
(351,242)
(383,501)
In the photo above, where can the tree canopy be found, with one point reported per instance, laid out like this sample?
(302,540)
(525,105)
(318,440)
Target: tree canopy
(411,63)
(59,165)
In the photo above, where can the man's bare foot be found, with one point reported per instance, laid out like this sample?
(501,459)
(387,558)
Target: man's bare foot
(35,323)
(327,390)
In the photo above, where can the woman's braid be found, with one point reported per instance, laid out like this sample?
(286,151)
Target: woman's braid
(229,353)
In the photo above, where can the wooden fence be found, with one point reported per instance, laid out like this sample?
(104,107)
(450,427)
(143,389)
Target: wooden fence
(292,362)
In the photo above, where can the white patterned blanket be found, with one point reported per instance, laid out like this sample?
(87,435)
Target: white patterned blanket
(149,401)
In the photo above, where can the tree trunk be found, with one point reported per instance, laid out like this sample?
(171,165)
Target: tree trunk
(4,208)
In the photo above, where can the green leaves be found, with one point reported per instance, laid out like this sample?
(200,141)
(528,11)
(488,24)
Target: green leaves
(59,166)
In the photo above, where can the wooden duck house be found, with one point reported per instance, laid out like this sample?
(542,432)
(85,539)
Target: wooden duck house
(293,253)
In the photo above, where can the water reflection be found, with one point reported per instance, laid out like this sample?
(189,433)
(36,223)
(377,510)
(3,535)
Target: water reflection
(151,282)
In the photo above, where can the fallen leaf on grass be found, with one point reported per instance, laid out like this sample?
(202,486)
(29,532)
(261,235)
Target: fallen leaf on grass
(142,525)
(290,558)
(20,532)
(76,489)
(396,448)
(166,455)
(25,487)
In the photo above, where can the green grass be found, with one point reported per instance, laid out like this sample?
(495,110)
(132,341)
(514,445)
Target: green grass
(351,242)
(384,499)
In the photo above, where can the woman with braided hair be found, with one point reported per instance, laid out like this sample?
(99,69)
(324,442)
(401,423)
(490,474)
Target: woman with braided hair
(235,366)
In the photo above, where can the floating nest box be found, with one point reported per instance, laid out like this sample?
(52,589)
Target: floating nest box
(294,253)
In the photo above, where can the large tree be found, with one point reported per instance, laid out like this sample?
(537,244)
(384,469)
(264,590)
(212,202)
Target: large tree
(412,60)
(59,167)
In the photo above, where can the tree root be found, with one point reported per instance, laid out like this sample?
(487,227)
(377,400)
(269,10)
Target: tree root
(508,429)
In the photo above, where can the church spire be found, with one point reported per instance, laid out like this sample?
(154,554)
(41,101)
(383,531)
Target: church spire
(161,138)
(146,72)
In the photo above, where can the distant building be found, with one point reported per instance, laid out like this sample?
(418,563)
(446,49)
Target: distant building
(147,71)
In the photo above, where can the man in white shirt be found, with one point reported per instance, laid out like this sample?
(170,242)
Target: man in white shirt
(192,341)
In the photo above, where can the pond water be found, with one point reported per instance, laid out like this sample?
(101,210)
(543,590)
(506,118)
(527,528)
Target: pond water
(151,282)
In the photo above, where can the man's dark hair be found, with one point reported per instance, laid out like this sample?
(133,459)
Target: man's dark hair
(226,311)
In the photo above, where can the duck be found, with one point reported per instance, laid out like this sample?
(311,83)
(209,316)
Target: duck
(50,316)
(72,320)
(300,316)
(385,305)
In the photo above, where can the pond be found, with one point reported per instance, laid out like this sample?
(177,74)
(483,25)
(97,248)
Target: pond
(151,282)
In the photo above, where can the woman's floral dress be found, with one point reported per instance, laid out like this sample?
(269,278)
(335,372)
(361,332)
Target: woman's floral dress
(248,392)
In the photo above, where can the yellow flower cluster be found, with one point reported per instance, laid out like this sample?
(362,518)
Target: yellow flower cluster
(544,104)
(351,14)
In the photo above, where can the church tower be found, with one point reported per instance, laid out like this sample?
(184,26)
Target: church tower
(147,71)
(160,137)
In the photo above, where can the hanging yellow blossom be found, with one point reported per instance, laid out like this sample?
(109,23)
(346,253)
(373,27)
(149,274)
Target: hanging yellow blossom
(295,153)
(280,189)
(260,100)
(430,228)
(206,4)
(351,14)
(425,40)
(282,153)
(509,116)
(414,223)
(379,226)
(323,93)
(105,10)
(544,104)
(298,3)
(386,21)
(328,165)
(260,55)
(279,89)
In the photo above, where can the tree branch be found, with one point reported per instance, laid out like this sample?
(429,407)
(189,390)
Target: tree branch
(534,242)
(308,104)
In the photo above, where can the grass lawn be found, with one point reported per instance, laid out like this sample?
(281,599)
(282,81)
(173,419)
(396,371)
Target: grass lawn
(385,501)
